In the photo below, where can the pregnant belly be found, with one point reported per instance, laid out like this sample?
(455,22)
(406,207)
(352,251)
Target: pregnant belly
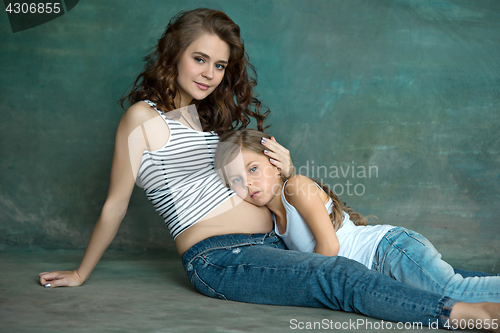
(233,216)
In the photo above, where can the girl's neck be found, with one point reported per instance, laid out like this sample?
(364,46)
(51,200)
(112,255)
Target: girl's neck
(277,207)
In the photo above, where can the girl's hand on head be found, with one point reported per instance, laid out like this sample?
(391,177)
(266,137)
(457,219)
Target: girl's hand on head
(279,156)
(60,279)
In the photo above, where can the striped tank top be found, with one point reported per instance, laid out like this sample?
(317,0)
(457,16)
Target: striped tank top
(180,178)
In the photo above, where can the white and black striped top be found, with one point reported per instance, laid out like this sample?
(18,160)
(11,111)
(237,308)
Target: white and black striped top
(180,179)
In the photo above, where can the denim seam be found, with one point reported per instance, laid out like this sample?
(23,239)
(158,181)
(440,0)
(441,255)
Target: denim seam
(385,254)
(411,234)
(227,247)
(402,250)
(208,262)
(449,290)
(195,275)
(252,266)
(390,297)
(411,259)
(391,232)
(443,312)
(388,237)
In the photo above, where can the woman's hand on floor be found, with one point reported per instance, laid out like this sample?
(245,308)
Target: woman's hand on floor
(60,279)
(279,157)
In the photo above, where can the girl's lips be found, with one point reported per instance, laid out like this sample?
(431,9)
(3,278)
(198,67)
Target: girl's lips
(254,194)
(202,86)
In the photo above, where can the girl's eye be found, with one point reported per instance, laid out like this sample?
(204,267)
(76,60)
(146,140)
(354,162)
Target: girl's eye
(197,59)
(221,67)
(236,180)
(253,169)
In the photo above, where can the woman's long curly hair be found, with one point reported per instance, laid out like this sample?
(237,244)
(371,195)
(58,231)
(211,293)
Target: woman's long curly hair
(230,145)
(230,105)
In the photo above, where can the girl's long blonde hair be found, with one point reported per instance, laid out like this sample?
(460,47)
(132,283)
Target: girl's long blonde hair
(230,145)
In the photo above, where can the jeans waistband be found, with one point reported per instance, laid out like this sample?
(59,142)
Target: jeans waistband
(394,232)
(226,241)
(381,247)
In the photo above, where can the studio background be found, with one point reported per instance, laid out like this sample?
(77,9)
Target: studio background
(410,88)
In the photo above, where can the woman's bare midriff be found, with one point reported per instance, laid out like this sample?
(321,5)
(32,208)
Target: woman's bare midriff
(233,216)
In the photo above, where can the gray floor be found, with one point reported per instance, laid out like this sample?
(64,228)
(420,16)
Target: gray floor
(128,292)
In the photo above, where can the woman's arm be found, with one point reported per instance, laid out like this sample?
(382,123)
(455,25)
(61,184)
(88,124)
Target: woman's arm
(306,197)
(126,161)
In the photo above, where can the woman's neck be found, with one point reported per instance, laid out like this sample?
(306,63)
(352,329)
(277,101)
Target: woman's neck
(181,101)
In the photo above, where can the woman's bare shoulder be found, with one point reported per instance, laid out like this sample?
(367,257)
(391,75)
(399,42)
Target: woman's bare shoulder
(142,123)
(138,114)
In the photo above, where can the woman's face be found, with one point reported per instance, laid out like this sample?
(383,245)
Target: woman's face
(201,68)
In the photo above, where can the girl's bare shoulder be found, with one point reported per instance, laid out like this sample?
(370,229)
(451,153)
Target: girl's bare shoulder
(296,181)
(299,187)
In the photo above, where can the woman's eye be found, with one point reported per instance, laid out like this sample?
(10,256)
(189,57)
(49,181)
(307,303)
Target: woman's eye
(253,169)
(236,180)
(221,67)
(197,59)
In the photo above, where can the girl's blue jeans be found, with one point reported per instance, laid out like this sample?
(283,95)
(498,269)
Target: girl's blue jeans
(258,269)
(409,257)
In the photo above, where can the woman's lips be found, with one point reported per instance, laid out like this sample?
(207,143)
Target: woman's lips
(254,194)
(202,86)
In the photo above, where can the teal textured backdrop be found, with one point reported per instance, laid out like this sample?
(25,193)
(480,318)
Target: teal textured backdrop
(408,88)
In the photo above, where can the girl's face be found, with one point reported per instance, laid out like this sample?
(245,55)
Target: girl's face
(201,68)
(254,178)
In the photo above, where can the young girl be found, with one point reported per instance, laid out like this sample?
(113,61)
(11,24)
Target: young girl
(227,245)
(304,212)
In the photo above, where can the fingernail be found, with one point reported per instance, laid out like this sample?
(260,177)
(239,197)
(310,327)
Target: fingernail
(271,160)
(47,285)
(266,151)
(263,140)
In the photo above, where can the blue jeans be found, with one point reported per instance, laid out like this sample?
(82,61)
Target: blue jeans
(409,257)
(258,269)
(466,273)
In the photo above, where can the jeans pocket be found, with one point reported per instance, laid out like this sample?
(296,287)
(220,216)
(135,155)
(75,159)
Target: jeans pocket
(418,237)
(204,288)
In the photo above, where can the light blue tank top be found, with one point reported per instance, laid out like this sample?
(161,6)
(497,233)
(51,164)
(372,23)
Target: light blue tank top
(356,242)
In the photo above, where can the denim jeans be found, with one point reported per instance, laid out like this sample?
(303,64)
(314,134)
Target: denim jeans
(258,269)
(409,257)
(466,273)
